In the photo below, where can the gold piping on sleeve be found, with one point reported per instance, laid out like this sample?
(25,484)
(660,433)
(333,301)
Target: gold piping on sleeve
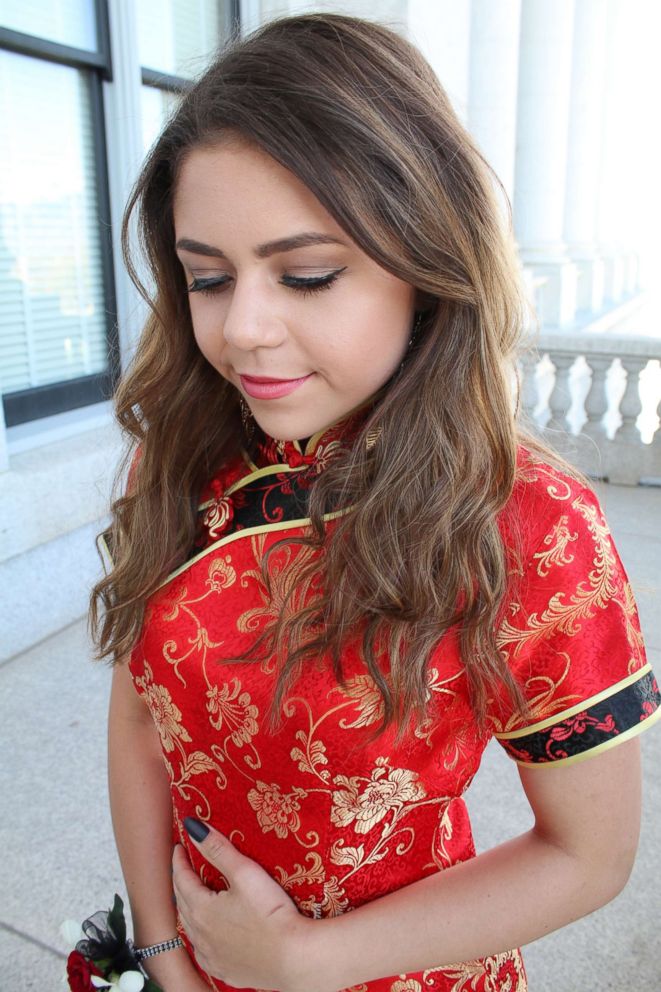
(578,708)
(605,746)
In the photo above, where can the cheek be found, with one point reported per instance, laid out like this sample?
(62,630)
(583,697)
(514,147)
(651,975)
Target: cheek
(208,333)
(375,345)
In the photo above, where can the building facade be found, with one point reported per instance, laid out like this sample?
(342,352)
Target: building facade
(548,89)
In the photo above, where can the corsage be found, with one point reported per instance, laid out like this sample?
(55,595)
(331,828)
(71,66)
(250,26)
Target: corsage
(104,958)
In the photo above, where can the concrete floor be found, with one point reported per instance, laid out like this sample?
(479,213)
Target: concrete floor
(58,857)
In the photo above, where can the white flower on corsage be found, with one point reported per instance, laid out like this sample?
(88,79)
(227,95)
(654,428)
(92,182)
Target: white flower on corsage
(72,932)
(130,981)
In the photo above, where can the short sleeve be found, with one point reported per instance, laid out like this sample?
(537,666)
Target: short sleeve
(572,638)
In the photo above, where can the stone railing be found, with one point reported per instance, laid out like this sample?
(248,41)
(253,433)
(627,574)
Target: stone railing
(593,394)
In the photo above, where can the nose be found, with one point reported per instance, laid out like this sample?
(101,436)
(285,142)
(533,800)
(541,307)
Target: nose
(253,319)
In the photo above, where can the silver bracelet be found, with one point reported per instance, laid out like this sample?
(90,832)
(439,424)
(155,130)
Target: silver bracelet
(165,945)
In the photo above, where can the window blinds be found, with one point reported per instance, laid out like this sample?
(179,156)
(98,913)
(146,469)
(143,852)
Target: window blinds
(52,319)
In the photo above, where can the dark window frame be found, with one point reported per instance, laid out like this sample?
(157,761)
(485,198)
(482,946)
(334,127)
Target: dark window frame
(164,81)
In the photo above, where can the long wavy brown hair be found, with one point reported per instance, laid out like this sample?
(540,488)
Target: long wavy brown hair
(357,114)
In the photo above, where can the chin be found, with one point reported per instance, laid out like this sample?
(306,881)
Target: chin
(282,431)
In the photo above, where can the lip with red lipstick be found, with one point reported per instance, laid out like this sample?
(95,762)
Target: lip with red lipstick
(267,388)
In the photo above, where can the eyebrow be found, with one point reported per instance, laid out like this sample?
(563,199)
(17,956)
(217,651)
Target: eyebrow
(268,248)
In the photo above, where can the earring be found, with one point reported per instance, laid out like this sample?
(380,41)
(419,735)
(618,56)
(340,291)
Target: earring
(416,327)
(247,420)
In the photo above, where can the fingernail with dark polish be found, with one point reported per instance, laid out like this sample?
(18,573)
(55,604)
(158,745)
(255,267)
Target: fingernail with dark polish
(195,828)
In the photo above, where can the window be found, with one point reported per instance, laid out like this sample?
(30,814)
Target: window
(58,338)
(56,280)
(176,41)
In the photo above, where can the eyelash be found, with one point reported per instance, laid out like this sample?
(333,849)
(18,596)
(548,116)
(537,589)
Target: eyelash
(210,287)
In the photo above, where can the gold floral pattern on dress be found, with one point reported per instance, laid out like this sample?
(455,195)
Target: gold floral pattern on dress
(229,706)
(315,872)
(633,632)
(541,691)
(285,587)
(442,835)
(438,684)
(166,715)
(387,789)
(221,574)
(498,973)
(531,469)
(556,542)
(172,602)
(276,810)
(313,755)
(334,901)
(460,746)
(369,701)
(565,613)
(218,515)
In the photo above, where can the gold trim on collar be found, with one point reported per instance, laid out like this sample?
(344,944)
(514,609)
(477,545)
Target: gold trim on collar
(246,532)
(258,473)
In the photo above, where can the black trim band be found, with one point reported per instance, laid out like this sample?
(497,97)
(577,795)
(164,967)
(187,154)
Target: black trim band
(591,727)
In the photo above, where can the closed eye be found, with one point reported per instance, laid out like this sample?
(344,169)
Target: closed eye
(216,284)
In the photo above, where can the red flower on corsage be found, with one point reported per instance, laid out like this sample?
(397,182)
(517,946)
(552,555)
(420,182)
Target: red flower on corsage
(80,971)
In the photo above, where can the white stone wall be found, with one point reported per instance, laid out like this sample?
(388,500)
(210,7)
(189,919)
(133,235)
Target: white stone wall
(54,500)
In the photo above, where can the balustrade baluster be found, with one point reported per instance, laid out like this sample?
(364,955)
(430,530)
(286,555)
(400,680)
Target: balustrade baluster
(596,401)
(560,398)
(528,384)
(652,451)
(630,405)
(627,445)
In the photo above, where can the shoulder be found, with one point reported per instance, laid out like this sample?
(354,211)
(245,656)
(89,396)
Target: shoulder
(570,631)
(546,503)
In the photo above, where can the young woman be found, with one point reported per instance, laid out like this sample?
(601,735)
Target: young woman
(340,566)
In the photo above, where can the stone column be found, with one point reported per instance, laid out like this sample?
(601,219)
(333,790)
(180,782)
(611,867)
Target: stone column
(586,121)
(620,143)
(441,30)
(493,77)
(545,58)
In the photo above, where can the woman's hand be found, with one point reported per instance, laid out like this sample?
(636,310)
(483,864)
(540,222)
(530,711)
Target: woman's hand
(251,935)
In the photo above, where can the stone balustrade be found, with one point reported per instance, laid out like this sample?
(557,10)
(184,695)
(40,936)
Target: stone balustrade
(593,395)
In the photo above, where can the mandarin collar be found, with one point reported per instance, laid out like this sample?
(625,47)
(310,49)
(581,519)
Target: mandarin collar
(318,449)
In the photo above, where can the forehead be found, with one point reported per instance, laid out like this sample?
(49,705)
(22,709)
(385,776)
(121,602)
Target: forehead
(235,183)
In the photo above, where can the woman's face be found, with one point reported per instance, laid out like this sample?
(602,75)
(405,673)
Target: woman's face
(278,290)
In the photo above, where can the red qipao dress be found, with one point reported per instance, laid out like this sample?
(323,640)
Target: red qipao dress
(335,820)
